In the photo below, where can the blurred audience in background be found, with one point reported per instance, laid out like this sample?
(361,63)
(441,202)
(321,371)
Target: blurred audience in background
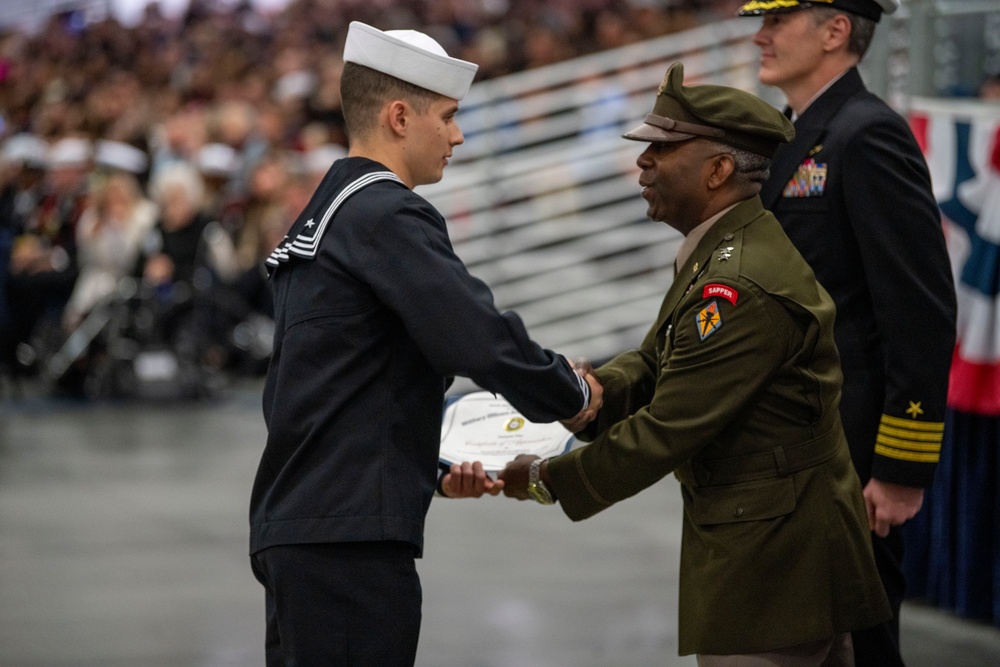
(173,155)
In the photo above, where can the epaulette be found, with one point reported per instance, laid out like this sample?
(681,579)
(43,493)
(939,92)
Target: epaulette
(725,260)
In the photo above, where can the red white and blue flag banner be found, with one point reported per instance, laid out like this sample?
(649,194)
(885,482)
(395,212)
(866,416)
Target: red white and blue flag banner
(952,554)
(961,141)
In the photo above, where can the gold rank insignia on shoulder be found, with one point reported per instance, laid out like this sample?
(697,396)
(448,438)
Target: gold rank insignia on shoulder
(809,180)
(708,320)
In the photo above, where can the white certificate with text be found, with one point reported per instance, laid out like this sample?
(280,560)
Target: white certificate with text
(486,428)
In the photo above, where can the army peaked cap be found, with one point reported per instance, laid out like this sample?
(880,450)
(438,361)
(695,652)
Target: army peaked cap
(727,115)
(870,9)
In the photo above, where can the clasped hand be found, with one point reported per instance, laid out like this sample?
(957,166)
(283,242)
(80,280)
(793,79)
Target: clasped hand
(576,424)
(515,476)
(469,480)
(515,473)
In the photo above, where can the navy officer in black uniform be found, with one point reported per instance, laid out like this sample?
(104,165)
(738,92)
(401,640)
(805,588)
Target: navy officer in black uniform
(853,193)
(374,313)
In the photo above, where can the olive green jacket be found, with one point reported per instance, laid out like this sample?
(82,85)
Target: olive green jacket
(735,389)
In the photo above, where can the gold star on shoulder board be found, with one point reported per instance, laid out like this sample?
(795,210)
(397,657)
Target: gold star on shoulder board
(915,410)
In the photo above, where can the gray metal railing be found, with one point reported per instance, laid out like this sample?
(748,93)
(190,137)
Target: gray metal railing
(934,48)
(543,201)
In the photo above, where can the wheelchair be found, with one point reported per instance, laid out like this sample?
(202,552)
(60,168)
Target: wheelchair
(173,341)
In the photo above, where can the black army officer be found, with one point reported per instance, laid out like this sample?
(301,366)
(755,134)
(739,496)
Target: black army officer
(734,389)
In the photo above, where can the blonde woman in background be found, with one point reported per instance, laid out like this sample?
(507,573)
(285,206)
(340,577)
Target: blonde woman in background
(109,237)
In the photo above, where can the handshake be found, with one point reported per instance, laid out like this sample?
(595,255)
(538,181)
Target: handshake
(470,480)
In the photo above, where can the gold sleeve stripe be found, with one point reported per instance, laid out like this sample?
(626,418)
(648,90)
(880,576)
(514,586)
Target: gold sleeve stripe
(909,424)
(898,443)
(906,434)
(902,455)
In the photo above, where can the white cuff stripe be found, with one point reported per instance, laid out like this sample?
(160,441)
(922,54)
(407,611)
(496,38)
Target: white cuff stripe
(585,388)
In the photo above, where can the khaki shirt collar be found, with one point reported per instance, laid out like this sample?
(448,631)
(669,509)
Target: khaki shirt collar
(695,236)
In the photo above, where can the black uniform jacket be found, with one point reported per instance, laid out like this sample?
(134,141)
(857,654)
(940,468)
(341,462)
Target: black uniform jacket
(374,312)
(853,193)
(735,388)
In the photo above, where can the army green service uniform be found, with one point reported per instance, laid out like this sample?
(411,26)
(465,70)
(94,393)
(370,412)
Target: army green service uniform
(735,389)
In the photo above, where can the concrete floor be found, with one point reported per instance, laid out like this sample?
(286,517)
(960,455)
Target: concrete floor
(123,538)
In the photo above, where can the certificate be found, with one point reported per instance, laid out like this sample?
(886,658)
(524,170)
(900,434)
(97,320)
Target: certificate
(486,428)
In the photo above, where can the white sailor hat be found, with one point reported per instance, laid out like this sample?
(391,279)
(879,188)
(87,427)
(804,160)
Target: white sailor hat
(410,56)
(69,152)
(119,155)
(25,149)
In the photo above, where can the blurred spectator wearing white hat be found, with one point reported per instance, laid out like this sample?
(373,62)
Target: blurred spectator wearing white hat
(118,156)
(109,235)
(186,264)
(185,245)
(220,166)
(22,167)
(48,244)
(111,228)
(43,267)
